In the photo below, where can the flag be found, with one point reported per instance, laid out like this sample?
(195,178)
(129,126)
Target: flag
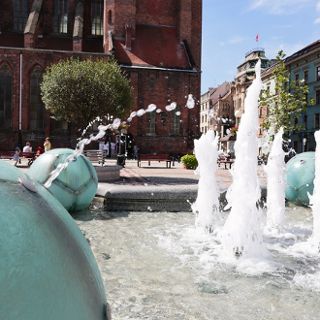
(257,37)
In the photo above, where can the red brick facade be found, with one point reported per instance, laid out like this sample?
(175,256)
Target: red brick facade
(157,43)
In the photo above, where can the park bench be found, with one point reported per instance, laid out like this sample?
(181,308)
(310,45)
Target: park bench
(154,157)
(226,161)
(96,156)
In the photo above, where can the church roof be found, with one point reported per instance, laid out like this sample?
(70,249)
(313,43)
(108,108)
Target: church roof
(154,46)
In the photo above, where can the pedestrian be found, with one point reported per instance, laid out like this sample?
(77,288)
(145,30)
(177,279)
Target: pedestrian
(16,156)
(47,144)
(27,147)
(135,152)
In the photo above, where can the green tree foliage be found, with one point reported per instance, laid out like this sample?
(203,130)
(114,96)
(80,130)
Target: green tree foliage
(79,91)
(288,102)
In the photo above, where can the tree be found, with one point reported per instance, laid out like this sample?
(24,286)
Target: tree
(79,91)
(288,101)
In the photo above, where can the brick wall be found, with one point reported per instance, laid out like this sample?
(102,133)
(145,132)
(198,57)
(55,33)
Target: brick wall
(150,85)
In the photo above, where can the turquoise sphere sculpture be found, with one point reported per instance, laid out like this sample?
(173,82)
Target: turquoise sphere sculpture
(300,176)
(75,186)
(47,269)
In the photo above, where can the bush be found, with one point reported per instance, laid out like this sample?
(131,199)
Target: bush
(189,161)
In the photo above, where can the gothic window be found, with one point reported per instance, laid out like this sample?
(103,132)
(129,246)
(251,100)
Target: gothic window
(5,97)
(60,16)
(97,17)
(37,110)
(20,14)
(176,122)
(151,123)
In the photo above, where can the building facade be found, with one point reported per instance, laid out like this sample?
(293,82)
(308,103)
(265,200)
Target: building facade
(205,106)
(244,77)
(158,45)
(304,65)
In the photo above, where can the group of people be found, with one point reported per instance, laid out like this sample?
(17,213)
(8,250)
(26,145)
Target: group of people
(28,149)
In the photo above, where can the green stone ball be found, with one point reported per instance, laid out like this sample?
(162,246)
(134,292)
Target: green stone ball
(75,187)
(47,269)
(300,176)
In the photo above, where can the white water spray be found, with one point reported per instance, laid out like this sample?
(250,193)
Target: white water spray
(206,206)
(241,234)
(315,198)
(276,170)
(79,150)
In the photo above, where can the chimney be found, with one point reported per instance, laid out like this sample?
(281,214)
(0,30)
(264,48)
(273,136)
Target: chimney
(128,29)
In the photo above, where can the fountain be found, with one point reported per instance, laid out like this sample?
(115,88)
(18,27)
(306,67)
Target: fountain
(206,206)
(276,183)
(242,233)
(264,275)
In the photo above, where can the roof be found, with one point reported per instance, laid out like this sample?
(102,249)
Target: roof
(219,92)
(308,48)
(156,46)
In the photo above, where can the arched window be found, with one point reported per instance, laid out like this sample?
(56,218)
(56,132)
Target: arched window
(5,97)
(176,122)
(97,17)
(37,110)
(60,16)
(151,123)
(20,14)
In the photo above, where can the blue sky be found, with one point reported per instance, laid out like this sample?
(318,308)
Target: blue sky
(230,28)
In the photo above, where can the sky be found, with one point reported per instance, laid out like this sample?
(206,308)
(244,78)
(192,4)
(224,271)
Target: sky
(230,28)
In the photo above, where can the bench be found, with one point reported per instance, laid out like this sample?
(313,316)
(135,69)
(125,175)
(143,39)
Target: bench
(96,156)
(227,161)
(154,157)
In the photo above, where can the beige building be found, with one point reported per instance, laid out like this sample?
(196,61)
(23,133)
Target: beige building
(244,77)
(204,111)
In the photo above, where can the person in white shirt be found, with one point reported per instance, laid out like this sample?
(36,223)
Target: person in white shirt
(27,147)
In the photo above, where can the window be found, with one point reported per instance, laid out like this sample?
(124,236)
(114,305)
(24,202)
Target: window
(37,111)
(151,124)
(20,15)
(97,17)
(305,121)
(318,73)
(318,96)
(317,120)
(5,97)
(110,17)
(176,122)
(296,78)
(306,76)
(60,16)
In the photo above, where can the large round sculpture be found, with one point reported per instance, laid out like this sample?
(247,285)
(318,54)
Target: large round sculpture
(75,187)
(47,269)
(300,176)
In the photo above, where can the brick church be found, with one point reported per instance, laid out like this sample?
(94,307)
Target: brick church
(157,43)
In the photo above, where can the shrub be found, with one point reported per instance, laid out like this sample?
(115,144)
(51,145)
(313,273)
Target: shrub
(189,161)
